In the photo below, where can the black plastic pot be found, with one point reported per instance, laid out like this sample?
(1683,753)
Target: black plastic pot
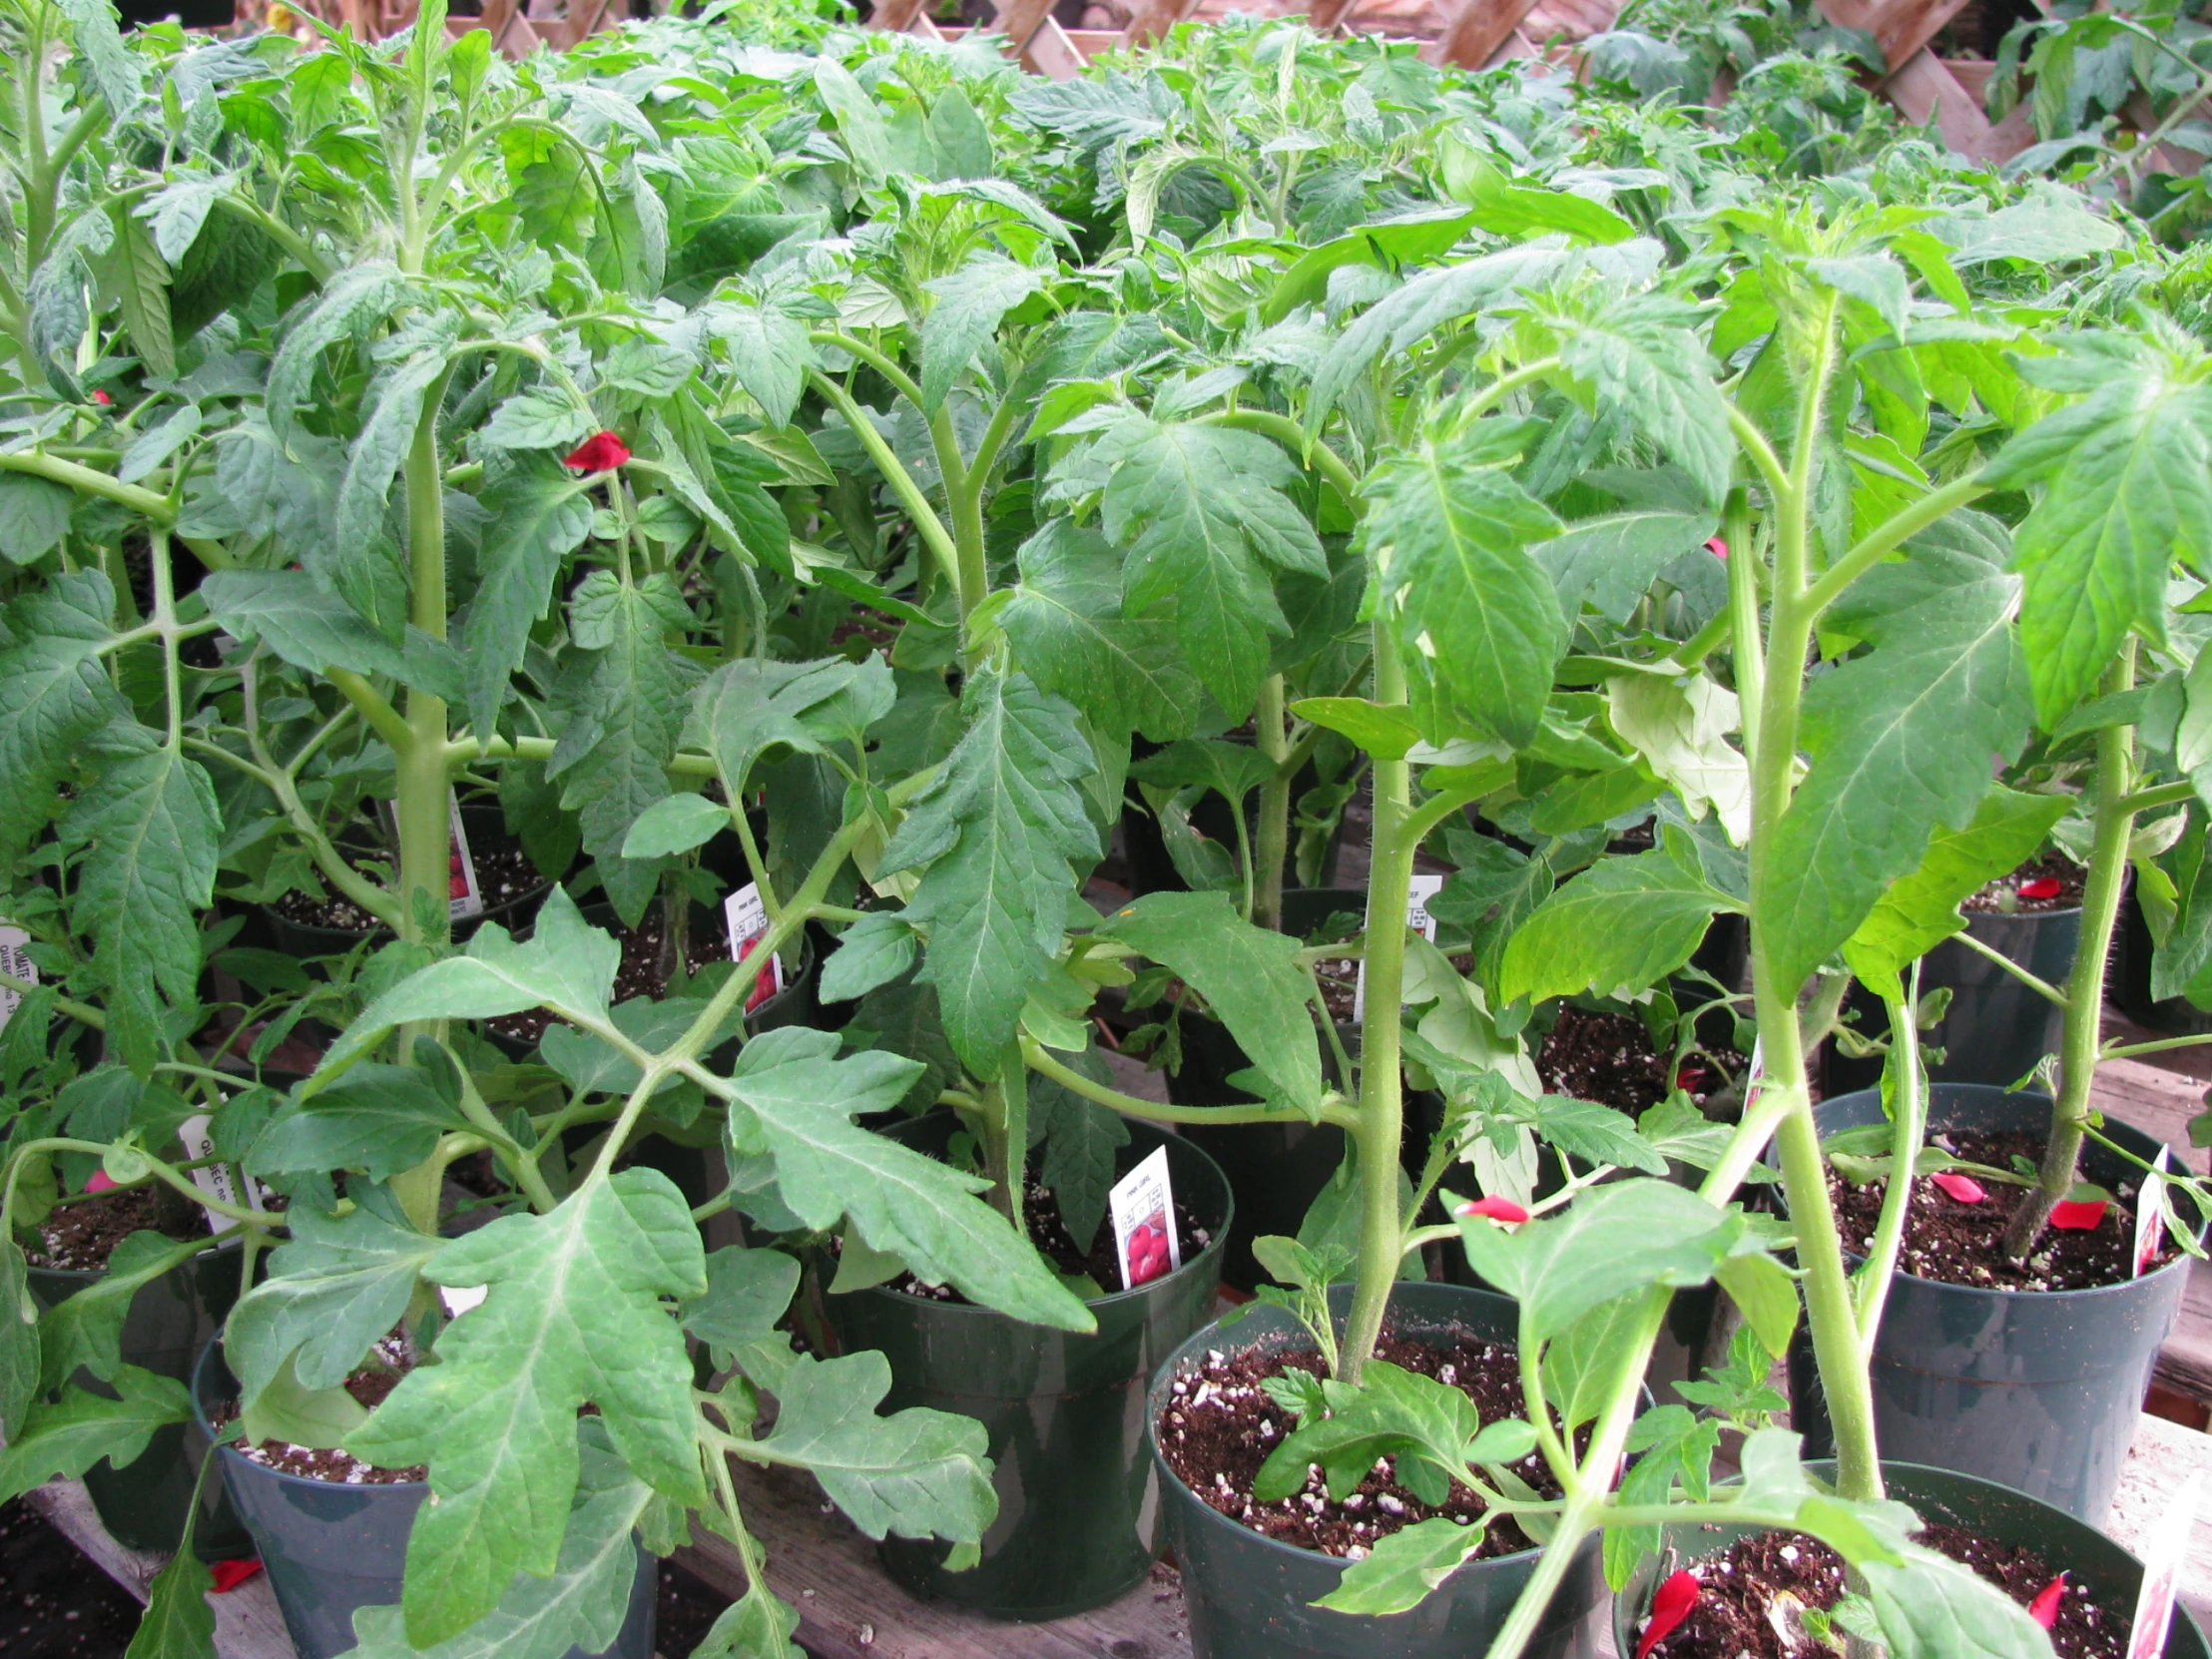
(2036,1390)
(1250,1594)
(332,1548)
(2091,1560)
(143,1504)
(1145,850)
(1062,1411)
(1995,1027)
(2130,979)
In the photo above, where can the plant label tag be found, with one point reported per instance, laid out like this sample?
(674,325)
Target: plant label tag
(2165,1549)
(747,919)
(2150,1213)
(1424,888)
(460,1298)
(464,899)
(218,1180)
(16,964)
(1142,1205)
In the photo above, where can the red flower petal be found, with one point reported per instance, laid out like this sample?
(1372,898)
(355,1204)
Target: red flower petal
(229,1575)
(1718,548)
(1963,1188)
(1669,1608)
(97,1181)
(1495,1209)
(601,453)
(2079,1215)
(101,398)
(2044,886)
(2044,1608)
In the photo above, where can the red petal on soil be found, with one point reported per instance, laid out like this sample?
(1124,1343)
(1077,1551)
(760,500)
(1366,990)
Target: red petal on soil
(2044,1608)
(1965,1189)
(1495,1209)
(1668,1609)
(601,453)
(2044,886)
(229,1575)
(2077,1215)
(97,1181)
(1717,547)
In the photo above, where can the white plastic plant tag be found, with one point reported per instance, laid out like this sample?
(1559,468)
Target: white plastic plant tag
(16,964)
(460,1298)
(219,1181)
(1424,888)
(2150,1213)
(747,919)
(2165,1548)
(466,900)
(1143,1207)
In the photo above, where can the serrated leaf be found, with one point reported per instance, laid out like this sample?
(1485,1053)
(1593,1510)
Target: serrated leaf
(748,1290)
(54,694)
(970,303)
(34,515)
(873,951)
(178,1621)
(754,1626)
(141,280)
(578,1291)
(87,1329)
(540,418)
(19,1340)
(749,707)
(1641,359)
(377,1119)
(1933,1608)
(355,297)
(1681,727)
(770,353)
(1476,618)
(1249,976)
(1427,1427)
(673,825)
(1588,1130)
(295,617)
(995,837)
(335,1287)
(1900,741)
(795,1099)
(1399,1573)
(176,212)
(115,71)
(1080,1138)
(1619,927)
(536,516)
(362,561)
(1613,560)
(81,1428)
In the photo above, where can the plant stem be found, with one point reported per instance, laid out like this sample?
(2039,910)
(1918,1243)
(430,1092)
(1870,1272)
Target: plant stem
(1272,834)
(1011,1096)
(1039,1060)
(2041,988)
(2101,910)
(425,839)
(1742,611)
(1909,1111)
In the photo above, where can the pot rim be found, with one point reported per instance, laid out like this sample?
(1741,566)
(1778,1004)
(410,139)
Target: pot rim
(91,1275)
(1208,1514)
(226,1448)
(1215,1246)
(2024,1097)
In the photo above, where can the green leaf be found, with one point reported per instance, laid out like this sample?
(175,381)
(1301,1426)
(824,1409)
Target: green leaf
(970,303)
(337,1287)
(141,279)
(750,705)
(54,694)
(1399,1573)
(1642,359)
(1249,976)
(307,626)
(34,515)
(793,1098)
(1201,510)
(577,1291)
(152,826)
(860,121)
(748,1290)
(579,1608)
(566,964)
(1767,1295)
(1520,212)
(178,1622)
(377,1119)
(1388,731)
(1080,1139)
(1620,927)
(541,419)
(769,352)
(81,1428)
(1427,1427)
(1591,1131)
(362,565)
(1900,741)
(873,951)
(87,1329)
(1070,636)
(19,1340)
(993,835)
(1476,617)
(1231,770)
(1677,1447)
(1614,1239)
(115,70)
(536,514)
(755,1626)
(319,1418)
(1933,1608)
(1586,1364)
(1919,911)
(1679,726)
(919,1473)
(673,825)
(354,298)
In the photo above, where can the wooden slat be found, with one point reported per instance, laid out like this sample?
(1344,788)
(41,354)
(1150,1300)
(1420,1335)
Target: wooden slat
(1051,54)
(1019,21)
(1901,27)
(897,16)
(2162,1457)
(1476,30)
(1923,87)
(1156,17)
(1325,15)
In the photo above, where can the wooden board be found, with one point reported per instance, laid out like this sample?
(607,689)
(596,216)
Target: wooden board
(1478,28)
(2162,1457)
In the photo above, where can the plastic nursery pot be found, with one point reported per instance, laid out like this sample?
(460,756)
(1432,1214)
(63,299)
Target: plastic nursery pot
(330,1548)
(1251,1594)
(2092,1561)
(1145,850)
(2036,1390)
(2130,979)
(1276,1170)
(1073,1482)
(143,1504)
(1993,1019)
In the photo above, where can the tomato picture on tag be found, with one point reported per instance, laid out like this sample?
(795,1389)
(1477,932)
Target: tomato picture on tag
(464,899)
(16,964)
(1142,1205)
(747,919)
(2150,1213)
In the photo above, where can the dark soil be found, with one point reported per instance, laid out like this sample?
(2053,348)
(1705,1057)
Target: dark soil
(1220,1425)
(54,1603)
(1611,1059)
(1736,1617)
(2004,896)
(1051,1237)
(643,971)
(80,1234)
(1963,1244)
(504,875)
(687,1609)
(371,1385)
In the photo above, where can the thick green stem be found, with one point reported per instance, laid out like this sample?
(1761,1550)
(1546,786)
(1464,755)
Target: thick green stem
(1039,1060)
(2101,910)
(1742,610)
(1907,1111)
(1272,834)
(426,836)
